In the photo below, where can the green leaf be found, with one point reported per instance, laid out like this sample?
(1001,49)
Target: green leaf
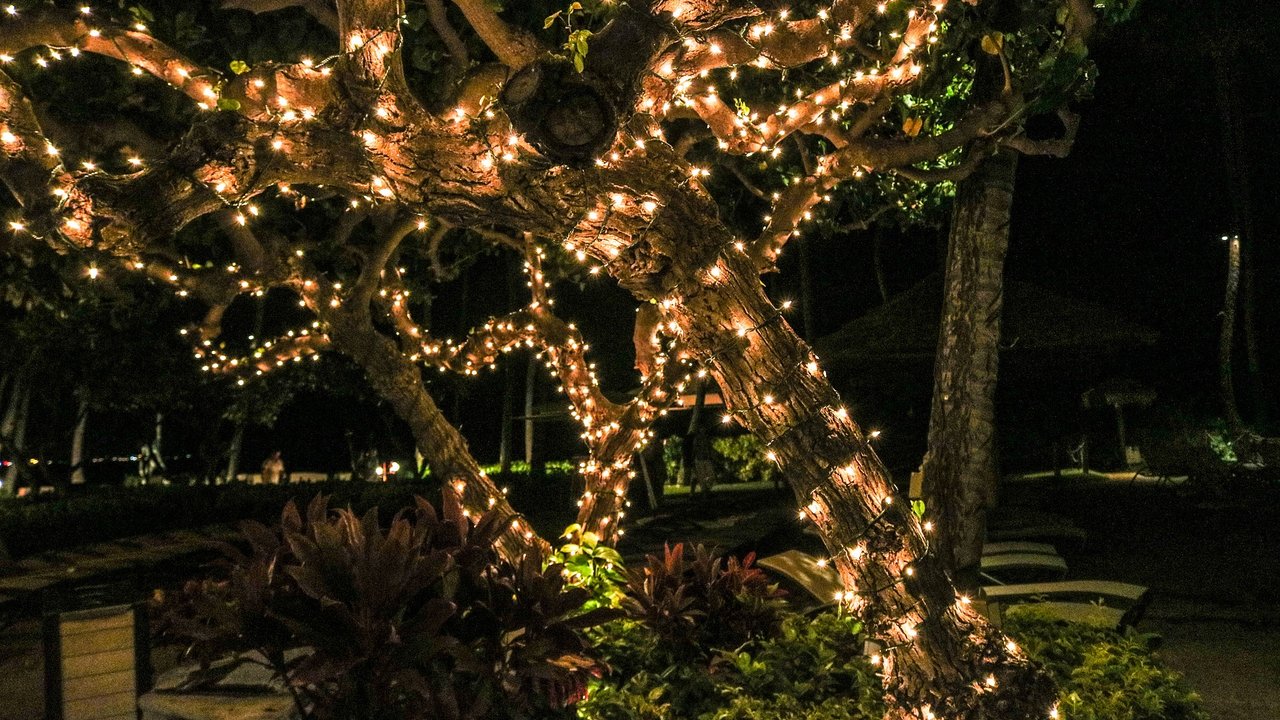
(239,67)
(551,20)
(228,104)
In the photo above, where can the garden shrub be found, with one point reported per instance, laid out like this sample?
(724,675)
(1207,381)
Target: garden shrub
(812,667)
(418,620)
(709,637)
(742,459)
(1103,674)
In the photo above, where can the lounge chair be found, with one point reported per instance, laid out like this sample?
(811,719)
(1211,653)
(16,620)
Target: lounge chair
(805,572)
(999,569)
(1006,548)
(1098,602)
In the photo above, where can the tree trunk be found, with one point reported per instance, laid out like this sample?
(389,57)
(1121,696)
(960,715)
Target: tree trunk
(1226,339)
(688,451)
(13,427)
(237,436)
(233,452)
(20,406)
(877,262)
(1239,168)
(505,438)
(601,506)
(939,653)
(507,432)
(12,402)
(157,439)
(530,389)
(1122,436)
(806,289)
(960,468)
(77,441)
(651,494)
(4,388)
(398,379)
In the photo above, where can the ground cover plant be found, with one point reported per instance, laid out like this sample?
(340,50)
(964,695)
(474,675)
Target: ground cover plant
(786,664)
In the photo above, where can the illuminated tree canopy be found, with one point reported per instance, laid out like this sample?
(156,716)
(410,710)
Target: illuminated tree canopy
(599,133)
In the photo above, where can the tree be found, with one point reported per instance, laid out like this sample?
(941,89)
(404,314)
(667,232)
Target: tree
(959,469)
(960,472)
(572,147)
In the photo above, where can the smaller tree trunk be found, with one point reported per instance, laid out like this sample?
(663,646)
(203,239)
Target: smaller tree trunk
(77,441)
(654,471)
(1239,166)
(1122,436)
(233,452)
(508,411)
(12,404)
(157,448)
(1226,339)
(877,261)
(806,290)
(530,390)
(959,468)
(21,406)
(398,379)
(688,450)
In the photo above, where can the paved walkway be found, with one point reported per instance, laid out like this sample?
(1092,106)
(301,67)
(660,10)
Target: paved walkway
(22,582)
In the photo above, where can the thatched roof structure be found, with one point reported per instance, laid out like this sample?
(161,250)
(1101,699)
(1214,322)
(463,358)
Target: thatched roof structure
(1035,319)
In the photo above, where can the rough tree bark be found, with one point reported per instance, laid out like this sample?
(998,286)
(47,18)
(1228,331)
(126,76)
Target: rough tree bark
(960,465)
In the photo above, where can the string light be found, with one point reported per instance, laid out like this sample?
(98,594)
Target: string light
(686,82)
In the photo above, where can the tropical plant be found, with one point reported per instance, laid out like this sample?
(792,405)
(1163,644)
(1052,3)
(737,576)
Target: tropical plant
(592,565)
(705,602)
(418,620)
